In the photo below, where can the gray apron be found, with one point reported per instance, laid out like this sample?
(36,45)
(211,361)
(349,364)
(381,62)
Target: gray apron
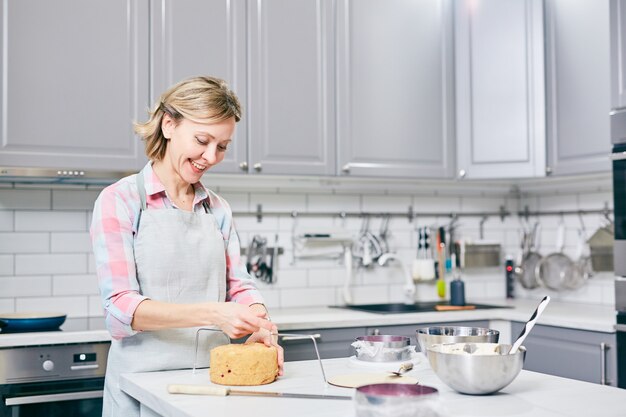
(180,258)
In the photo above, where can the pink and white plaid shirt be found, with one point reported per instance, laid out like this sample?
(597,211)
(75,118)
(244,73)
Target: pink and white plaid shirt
(113,227)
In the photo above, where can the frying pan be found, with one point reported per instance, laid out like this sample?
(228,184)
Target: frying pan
(30,322)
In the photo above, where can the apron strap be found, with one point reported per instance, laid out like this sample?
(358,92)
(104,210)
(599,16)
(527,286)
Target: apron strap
(141,189)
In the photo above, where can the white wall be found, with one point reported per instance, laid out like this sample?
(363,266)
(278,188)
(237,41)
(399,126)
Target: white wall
(46,261)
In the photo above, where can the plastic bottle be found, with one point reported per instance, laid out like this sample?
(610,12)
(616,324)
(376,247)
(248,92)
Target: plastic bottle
(457,287)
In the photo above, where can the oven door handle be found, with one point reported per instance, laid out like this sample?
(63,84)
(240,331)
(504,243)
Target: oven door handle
(48,398)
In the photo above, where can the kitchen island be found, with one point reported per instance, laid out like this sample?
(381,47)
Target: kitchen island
(531,394)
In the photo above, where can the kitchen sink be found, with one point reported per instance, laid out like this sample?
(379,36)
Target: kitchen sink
(422,307)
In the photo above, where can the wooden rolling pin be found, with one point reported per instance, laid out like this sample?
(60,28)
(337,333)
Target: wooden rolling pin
(452,308)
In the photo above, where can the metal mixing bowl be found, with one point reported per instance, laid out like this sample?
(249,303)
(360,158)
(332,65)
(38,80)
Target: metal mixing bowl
(427,336)
(383,348)
(477,372)
(396,400)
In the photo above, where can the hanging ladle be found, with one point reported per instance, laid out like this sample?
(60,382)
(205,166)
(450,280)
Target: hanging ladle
(529,324)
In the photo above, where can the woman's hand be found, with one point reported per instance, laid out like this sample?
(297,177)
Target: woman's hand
(269,338)
(237,320)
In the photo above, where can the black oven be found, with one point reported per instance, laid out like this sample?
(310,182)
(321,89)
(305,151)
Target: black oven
(618,138)
(53,380)
(620,305)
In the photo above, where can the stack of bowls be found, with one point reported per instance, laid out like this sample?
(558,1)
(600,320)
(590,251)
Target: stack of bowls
(428,336)
(476,368)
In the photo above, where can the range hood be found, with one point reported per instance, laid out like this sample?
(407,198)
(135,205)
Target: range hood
(59,176)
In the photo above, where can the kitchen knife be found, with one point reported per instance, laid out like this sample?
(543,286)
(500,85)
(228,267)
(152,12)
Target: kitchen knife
(224,391)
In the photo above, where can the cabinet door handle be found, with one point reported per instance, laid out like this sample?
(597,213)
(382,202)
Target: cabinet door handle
(243,166)
(462,173)
(346,169)
(316,336)
(603,348)
(257,167)
(618,156)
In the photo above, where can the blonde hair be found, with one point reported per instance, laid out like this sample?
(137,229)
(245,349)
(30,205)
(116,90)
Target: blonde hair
(199,99)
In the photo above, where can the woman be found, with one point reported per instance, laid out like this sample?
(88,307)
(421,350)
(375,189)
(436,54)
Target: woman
(167,254)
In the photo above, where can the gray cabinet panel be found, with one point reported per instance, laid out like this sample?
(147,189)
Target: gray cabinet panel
(500,88)
(331,343)
(291,61)
(197,37)
(75,76)
(618,53)
(569,353)
(578,85)
(395,88)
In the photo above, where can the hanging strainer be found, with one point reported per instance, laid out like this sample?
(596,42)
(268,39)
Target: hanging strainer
(554,269)
(526,269)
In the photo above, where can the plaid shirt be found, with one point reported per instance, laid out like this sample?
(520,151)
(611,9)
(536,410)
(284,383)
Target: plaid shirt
(113,228)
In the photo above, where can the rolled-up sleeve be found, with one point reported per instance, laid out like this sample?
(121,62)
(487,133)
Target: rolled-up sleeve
(112,232)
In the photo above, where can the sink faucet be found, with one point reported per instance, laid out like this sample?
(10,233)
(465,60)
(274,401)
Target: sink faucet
(409,286)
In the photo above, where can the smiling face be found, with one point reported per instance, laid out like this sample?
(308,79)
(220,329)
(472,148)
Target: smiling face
(194,147)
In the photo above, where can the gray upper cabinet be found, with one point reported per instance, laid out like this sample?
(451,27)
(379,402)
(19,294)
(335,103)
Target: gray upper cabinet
(618,54)
(74,77)
(284,49)
(395,92)
(291,101)
(578,81)
(500,105)
(198,37)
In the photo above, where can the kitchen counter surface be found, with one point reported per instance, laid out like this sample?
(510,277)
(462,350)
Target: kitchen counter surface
(577,316)
(531,394)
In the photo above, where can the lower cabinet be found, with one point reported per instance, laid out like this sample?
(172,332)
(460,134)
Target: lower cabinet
(577,354)
(331,343)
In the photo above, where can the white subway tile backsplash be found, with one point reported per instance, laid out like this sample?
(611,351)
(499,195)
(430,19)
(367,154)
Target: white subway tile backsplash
(595,201)
(7,305)
(74,285)
(386,203)
(27,264)
(95,306)
(272,299)
(26,286)
(44,238)
(25,199)
(6,220)
(278,202)
(307,297)
(75,242)
(50,221)
(72,306)
(24,243)
(7,266)
(239,202)
(73,199)
(558,202)
(333,203)
(443,205)
(293,278)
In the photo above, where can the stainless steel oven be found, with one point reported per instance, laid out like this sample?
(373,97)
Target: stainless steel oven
(53,380)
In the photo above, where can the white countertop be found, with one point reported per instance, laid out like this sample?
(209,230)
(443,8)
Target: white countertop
(530,394)
(592,317)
